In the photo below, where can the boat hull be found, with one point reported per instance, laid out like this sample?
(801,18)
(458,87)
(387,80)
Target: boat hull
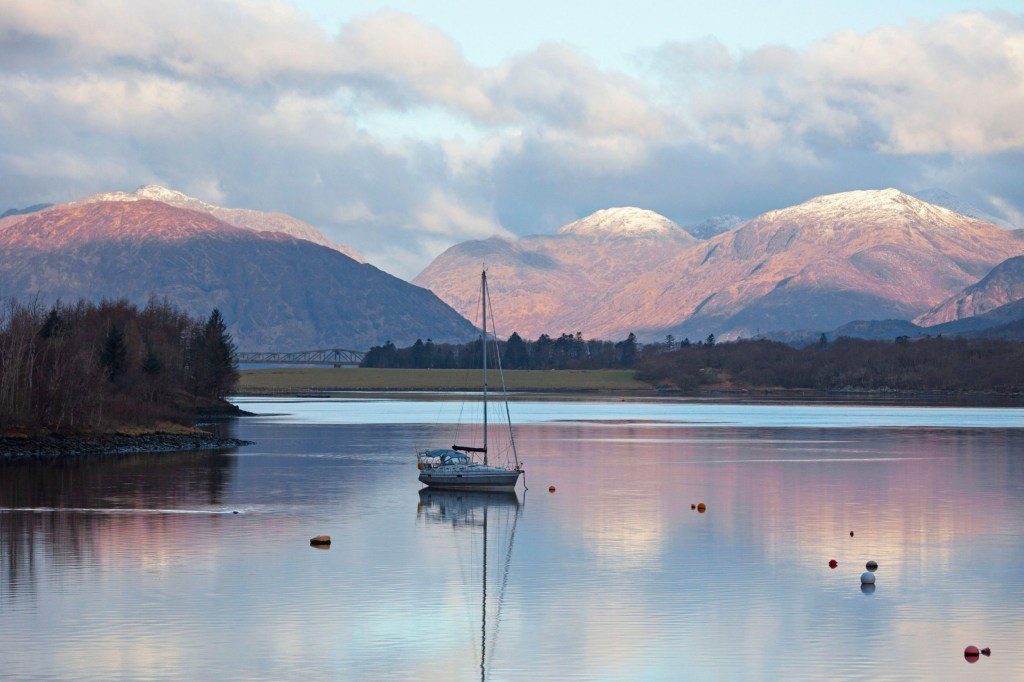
(487,482)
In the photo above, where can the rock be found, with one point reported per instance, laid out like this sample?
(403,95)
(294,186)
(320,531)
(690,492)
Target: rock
(321,540)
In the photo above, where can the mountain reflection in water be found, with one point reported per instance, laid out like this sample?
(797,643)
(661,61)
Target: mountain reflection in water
(136,567)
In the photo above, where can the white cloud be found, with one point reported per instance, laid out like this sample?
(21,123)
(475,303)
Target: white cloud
(387,137)
(955,85)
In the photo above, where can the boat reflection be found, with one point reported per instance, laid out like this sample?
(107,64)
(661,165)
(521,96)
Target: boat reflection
(489,518)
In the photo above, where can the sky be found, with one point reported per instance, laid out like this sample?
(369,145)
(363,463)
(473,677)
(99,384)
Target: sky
(403,128)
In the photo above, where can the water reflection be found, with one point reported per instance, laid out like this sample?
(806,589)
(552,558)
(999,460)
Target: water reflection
(489,521)
(611,577)
(67,514)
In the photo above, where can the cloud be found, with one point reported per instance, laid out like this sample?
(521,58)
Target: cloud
(252,104)
(955,85)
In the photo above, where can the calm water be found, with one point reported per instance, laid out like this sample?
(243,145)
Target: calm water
(136,567)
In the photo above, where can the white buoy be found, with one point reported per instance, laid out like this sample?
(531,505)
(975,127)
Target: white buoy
(867,578)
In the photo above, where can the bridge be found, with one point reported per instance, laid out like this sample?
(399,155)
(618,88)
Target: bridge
(335,357)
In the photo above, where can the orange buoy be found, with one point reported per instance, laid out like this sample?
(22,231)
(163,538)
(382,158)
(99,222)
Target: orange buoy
(551,488)
(701,507)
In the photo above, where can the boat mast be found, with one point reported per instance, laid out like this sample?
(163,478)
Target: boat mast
(483,337)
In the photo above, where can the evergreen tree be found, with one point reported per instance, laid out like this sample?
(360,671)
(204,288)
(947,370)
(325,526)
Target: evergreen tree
(710,340)
(220,362)
(516,356)
(627,350)
(152,365)
(114,354)
(52,324)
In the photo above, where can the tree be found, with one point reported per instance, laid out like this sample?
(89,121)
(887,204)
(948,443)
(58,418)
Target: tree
(710,340)
(152,365)
(516,356)
(213,361)
(627,350)
(51,327)
(114,354)
(823,341)
(670,342)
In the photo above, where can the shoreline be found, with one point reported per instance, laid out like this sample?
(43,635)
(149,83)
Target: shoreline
(54,447)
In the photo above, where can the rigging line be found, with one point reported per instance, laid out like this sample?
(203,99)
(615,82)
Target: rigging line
(501,374)
(465,382)
(483,619)
(504,582)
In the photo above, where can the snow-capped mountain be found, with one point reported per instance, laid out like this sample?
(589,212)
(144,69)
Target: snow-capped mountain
(626,222)
(535,279)
(261,221)
(940,197)
(713,226)
(856,255)
(277,291)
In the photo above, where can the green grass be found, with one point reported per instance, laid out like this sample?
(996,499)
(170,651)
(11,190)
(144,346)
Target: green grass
(301,379)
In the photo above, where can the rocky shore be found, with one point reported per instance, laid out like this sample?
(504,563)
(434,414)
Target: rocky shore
(16,448)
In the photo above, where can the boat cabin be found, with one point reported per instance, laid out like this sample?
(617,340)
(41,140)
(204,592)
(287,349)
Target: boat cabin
(431,459)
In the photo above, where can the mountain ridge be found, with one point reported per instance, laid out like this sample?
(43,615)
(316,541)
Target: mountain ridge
(821,263)
(278,292)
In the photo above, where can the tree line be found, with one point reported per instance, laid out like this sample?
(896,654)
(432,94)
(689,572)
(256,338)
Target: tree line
(927,364)
(568,351)
(95,366)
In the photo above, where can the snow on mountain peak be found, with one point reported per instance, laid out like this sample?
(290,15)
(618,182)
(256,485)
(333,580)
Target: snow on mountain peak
(627,221)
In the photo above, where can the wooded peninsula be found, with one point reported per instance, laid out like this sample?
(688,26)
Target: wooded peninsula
(91,368)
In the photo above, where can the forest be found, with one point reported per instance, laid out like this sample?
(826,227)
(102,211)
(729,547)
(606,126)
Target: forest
(927,364)
(93,367)
(567,351)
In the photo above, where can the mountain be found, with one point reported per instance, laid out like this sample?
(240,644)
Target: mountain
(23,211)
(536,281)
(940,197)
(830,260)
(714,226)
(1004,284)
(260,221)
(277,292)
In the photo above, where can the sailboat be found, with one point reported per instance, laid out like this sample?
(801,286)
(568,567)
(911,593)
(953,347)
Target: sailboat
(455,468)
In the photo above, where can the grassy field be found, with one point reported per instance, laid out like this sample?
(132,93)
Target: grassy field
(304,379)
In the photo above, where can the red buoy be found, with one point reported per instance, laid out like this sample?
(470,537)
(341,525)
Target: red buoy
(971,653)
(833,563)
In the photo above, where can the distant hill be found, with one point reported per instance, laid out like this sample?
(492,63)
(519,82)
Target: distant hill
(24,211)
(1004,322)
(714,226)
(1004,284)
(818,265)
(276,291)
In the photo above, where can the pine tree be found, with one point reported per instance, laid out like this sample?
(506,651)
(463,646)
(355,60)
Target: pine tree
(114,354)
(220,363)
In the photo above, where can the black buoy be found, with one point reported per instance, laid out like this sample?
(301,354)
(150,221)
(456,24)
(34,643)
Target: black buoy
(872,565)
